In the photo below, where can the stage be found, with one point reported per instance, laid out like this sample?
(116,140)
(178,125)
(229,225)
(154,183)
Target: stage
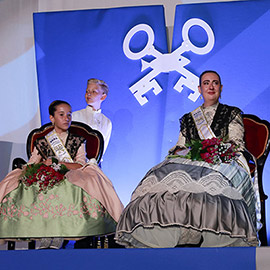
(128,259)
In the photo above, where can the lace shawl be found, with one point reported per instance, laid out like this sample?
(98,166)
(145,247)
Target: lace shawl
(223,117)
(72,145)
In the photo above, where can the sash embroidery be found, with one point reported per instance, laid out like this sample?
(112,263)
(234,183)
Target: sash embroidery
(58,147)
(204,130)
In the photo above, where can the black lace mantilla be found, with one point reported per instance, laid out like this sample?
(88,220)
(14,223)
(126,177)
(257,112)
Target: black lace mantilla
(73,143)
(223,117)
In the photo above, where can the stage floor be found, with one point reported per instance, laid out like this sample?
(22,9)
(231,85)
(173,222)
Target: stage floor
(237,258)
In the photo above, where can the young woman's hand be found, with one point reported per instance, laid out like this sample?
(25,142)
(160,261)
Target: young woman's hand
(48,162)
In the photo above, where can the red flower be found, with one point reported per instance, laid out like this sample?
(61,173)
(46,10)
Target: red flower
(45,176)
(212,150)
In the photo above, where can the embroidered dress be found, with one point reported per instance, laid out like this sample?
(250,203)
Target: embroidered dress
(84,204)
(183,202)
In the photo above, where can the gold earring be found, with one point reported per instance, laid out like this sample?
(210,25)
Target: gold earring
(200,96)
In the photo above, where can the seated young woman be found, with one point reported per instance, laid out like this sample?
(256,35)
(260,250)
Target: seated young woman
(197,197)
(80,203)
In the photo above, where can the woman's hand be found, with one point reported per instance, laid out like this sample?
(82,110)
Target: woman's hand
(70,166)
(182,151)
(178,149)
(47,162)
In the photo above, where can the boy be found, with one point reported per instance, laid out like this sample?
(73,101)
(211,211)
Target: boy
(96,93)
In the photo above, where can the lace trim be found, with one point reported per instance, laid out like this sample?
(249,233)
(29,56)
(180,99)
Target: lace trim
(213,184)
(220,124)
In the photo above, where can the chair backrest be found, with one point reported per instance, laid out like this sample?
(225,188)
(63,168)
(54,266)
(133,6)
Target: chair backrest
(94,139)
(257,139)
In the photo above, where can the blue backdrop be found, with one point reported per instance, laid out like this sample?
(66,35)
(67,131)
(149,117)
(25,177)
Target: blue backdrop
(76,45)
(73,46)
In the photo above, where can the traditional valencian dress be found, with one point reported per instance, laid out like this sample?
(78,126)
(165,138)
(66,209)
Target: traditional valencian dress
(182,202)
(84,204)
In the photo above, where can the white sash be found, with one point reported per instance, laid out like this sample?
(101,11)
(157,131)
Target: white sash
(58,147)
(204,130)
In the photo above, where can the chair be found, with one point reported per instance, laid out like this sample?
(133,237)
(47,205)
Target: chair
(257,139)
(94,149)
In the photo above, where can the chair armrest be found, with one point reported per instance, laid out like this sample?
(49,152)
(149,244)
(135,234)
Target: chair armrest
(18,163)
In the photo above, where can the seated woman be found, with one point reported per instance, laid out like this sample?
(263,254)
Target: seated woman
(186,200)
(80,203)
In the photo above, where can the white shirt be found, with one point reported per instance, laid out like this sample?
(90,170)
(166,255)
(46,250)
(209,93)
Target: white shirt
(96,120)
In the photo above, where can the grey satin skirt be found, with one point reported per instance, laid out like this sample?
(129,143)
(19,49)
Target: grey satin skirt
(190,203)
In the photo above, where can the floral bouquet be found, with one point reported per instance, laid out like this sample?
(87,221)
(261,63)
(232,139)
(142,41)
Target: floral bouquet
(213,151)
(44,176)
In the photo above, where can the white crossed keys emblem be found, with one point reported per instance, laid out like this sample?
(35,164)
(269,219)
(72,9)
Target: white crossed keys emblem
(167,62)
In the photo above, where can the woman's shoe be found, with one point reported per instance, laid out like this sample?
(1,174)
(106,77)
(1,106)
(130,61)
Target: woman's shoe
(56,243)
(45,243)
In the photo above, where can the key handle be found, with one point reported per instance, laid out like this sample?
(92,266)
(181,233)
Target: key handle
(189,46)
(147,50)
